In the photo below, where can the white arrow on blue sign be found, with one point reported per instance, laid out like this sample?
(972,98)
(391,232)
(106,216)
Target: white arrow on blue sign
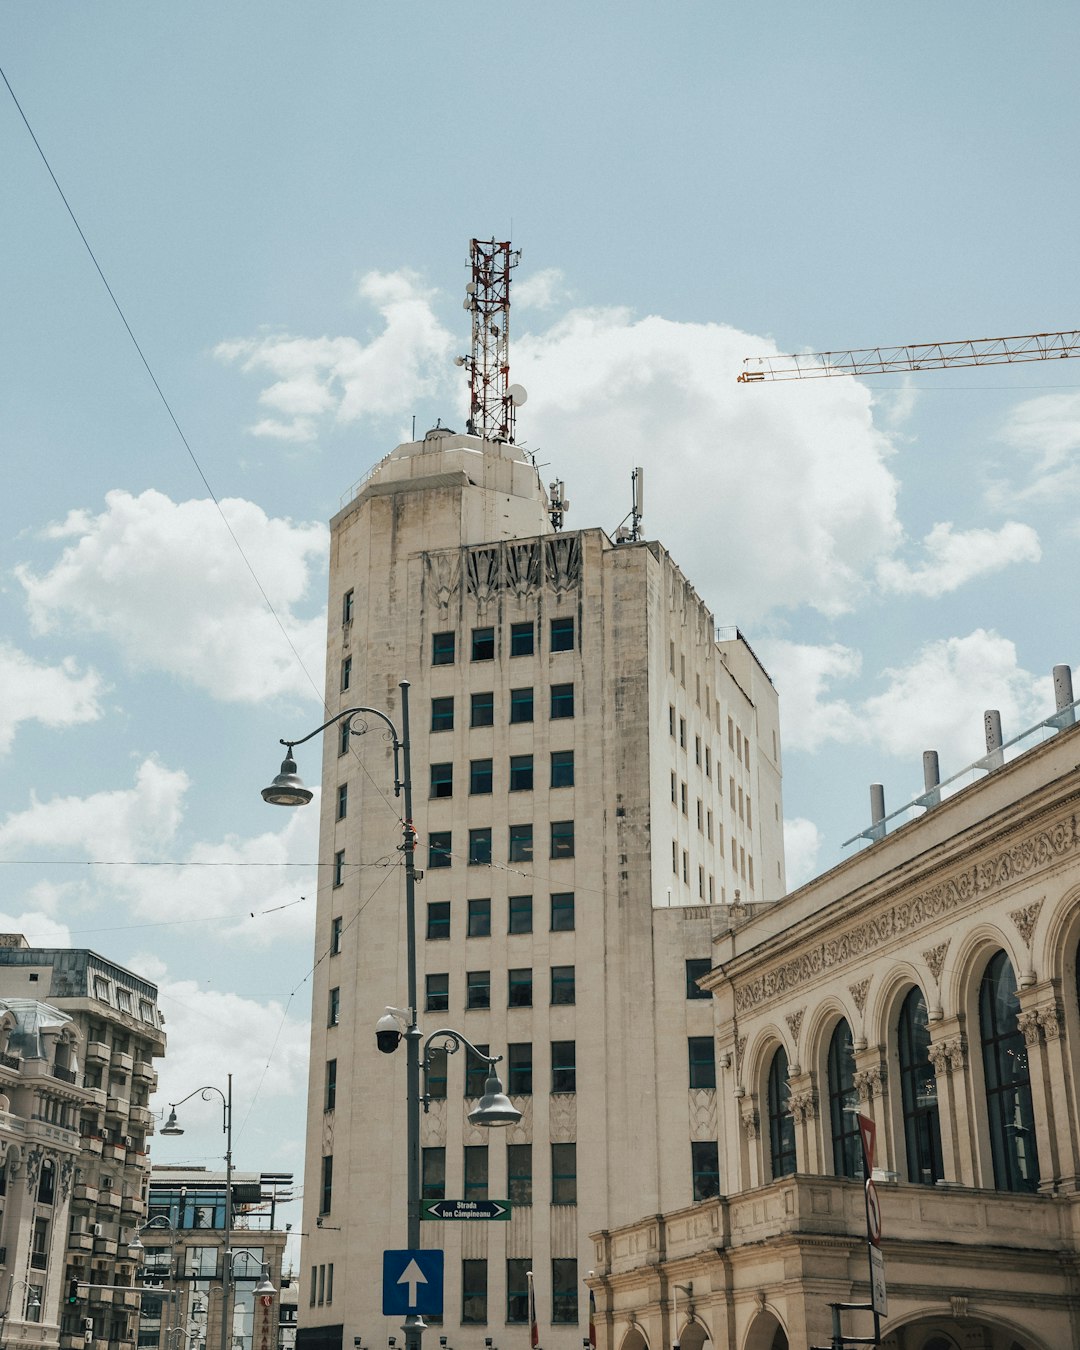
(412,1282)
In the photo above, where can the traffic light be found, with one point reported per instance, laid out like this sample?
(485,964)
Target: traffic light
(73,1291)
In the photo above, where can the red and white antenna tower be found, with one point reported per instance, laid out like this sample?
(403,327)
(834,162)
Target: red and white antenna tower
(493,400)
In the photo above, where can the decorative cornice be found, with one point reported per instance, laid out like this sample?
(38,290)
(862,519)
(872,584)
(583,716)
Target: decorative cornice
(1025,919)
(1040,849)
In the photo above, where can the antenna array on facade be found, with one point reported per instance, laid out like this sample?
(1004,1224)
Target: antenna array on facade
(493,400)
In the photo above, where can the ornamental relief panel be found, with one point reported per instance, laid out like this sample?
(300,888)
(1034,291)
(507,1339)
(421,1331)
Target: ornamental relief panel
(1026,918)
(433,1124)
(520,568)
(702,1103)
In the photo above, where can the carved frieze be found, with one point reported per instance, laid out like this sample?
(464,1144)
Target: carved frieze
(443,576)
(562,562)
(483,573)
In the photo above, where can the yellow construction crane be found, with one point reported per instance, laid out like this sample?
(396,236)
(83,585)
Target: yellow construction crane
(923,356)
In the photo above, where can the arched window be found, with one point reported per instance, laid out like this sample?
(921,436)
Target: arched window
(918,1092)
(781,1125)
(1008,1085)
(846,1143)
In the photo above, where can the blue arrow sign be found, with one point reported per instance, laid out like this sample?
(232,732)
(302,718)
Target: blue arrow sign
(412,1282)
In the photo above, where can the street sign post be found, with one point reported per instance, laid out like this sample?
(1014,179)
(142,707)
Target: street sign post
(467,1209)
(878,1296)
(412,1283)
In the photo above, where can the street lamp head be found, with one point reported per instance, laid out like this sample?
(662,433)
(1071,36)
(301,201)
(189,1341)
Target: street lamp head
(494,1108)
(265,1286)
(287,789)
(170,1126)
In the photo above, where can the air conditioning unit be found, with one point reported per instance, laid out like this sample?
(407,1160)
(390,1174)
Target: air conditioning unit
(128,1141)
(98,1229)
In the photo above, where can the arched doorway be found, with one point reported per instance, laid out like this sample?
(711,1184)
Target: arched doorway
(766,1333)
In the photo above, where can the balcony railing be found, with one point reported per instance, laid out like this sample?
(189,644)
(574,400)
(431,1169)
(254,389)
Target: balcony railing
(65,1075)
(10,1061)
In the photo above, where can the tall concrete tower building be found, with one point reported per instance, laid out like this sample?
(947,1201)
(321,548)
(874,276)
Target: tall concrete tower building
(596,780)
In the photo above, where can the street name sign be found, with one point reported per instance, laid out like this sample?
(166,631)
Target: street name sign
(412,1282)
(467,1209)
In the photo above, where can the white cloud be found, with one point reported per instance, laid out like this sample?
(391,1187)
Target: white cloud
(56,696)
(956,557)
(802,845)
(344,378)
(803,675)
(40,930)
(165,582)
(539,290)
(1047,430)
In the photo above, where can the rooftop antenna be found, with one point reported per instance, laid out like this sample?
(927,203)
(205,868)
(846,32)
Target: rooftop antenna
(632,533)
(493,401)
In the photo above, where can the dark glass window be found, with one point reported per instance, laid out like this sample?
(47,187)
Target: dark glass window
(442,649)
(705,1168)
(339,867)
(521,773)
(517,1290)
(521,705)
(846,1141)
(522,639)
(521,843)
(479,918)
(476,1172)
(563,1066)
(346,673)
(337,926)
(562,634)
(483,644)
(326,1192)
(480,846)
(702,1062)
(330,1098)
(521,910)
(482,709)
(519,1068)
(562,838)
(478,989)
(438,920)
(343,738)
(439,849)
(696,967)
(781,1124)
(473,1291)
(436,1074)
(918,1092)
(562,700)
(564,1174)
(442,714)
(563,988)
(519,1173)
(562,768)
(442,780)
(1010,1115)
(480,777)
(520,989)
(333,1015)
(475,1072)
(433,1173)
(342,801)
(437,993)
(347,607)
(564,1290)
(562,912)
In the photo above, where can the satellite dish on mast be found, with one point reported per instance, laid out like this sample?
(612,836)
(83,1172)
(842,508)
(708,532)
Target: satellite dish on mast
(517,394)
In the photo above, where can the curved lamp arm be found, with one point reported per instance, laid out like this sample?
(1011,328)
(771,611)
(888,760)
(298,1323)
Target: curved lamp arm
(347,714)
(451,1041)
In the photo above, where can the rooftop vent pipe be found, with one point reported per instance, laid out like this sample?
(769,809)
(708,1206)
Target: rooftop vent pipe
(1063,696)
(931,776)
(995,756)
(877,811)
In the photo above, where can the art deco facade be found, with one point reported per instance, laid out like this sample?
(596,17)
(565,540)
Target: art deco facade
(931,983)
(595,775)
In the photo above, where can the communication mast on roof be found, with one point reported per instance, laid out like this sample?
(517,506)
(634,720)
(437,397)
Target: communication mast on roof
(493,401)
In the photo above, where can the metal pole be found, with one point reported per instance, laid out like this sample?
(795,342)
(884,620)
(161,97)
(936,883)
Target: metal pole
(414,1324)
(226,1271)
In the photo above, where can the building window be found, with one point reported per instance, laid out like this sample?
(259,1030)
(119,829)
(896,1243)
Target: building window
(480,847)
(705,1168)
(702,1062)
(483,644)
(479,777)
(846,1142)
(521,843)
(520,989)
(482,709)
(517,1290)
(563,989)
(478,989)
(520,914)
(708,762)
(563,1066)
(562,912)
(343,738)
(339,867)
(476,1072)
(519,1068)
(564,1174)
(918,1092)
(696,967)
(697,750)
(39,1244)
(564,1290)
(562,701)
(347,608)
(436,1073)
(562,838)
(346,673)
(521,773)
(479,918)
(473,1291)
(519,1173)
(442,714)
(439,842)
(330,1099)
(335,935)
(671,720)
(442,780)
(476,1172)
(522,639)
(562,634)
(1008,1084)
(333,1016)
(521,705)
(682,798)
(682,732)
(781,1121)
(438,920)
(437,993)
(442,649)
(433,1173)
(326,1189)
(562,768)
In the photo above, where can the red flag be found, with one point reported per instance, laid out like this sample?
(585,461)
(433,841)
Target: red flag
(534,1330)
(592,1319)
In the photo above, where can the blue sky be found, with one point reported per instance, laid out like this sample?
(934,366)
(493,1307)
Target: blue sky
(281,198)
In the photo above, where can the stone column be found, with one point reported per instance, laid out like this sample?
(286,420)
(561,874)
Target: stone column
(948,1055)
